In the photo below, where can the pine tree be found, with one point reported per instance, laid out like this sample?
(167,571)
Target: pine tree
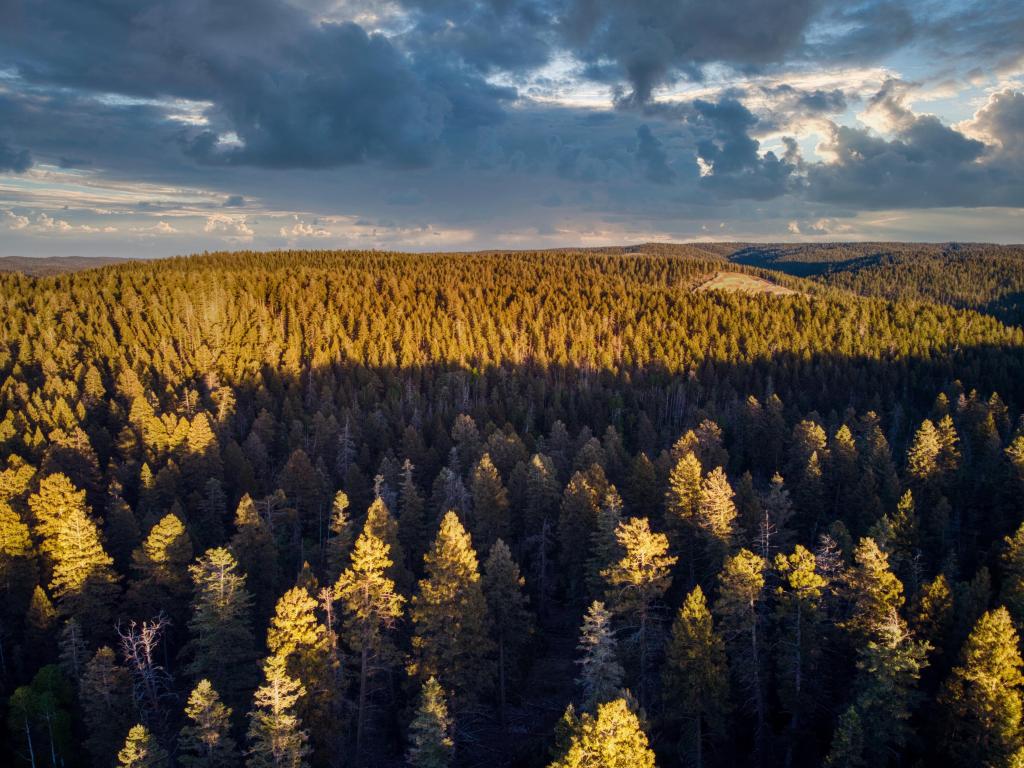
(799,596)
(105,695)
(490,504)
(40,619)
(716,513)
(74,650)
(604,546)
(874,592)
(510,618)
(738,609)
(430,734)
(256,552)
(885,694)
(141,750)
(577,520)
(18,568)
(380,522)
(297,636)
(1012,562)
(205,740)
(601,674)
(923,454)
(613,738)
(682,499)
(161,570)
(637,580)
(983,697)
(83,581)
(412,525)
(449,613)
(276,738)
(338,546)
(695,677)
(222,645)
(371,607)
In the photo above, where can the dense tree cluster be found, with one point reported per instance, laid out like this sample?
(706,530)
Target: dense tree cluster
(555,509)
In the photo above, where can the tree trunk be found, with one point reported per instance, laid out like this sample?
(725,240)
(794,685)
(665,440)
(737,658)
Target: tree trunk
(31,749)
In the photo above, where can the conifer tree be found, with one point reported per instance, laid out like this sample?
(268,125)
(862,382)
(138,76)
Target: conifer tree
(382,524)
(412,525)
(604,546)
(983,698)
(40,620)
(161,570)
(682,499)
(933,614)
(371,606)
(105,695)
(141,750)
(449,613)
(601,673)
(205,740)
(254,548)
(74,650)
(577,520)
(542,492)
(739,612)
(339,537)
(885,694)
(638,579)
(18,567)
(83,581)
(799,597)
(923,454)
(874,591)
(1012,562)
(222,646)
(490,504)
(695,677)
(613,738)
(716,513)
(430,734)
(297,636)
(276,736)
(510,617)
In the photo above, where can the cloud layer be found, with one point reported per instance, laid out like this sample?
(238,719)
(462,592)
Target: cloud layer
(151,125)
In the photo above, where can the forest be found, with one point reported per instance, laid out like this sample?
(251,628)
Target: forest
(551,509)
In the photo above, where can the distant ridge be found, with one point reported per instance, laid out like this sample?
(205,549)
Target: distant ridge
(41,266)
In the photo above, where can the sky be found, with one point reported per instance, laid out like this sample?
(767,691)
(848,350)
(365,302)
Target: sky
(144,128)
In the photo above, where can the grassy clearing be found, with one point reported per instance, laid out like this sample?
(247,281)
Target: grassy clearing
(736,281)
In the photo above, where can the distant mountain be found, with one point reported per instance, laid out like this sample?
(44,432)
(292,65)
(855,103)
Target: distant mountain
(40,266)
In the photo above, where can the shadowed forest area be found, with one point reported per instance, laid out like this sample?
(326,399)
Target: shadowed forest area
(518,509)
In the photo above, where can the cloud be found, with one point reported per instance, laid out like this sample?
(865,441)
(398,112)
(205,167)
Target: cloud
(14,160)
(229,227)
(44,224)
(648,41)
(302,229)
(651,153)
(160,228)
(926,163)
(317,94)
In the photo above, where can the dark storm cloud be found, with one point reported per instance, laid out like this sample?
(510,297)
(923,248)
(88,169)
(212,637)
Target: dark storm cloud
(652,155)
(296,93)
(488,35)
(14,160)
(649,39)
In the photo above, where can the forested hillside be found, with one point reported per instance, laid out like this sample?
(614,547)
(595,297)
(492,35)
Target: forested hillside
(552,509)
(988,278)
